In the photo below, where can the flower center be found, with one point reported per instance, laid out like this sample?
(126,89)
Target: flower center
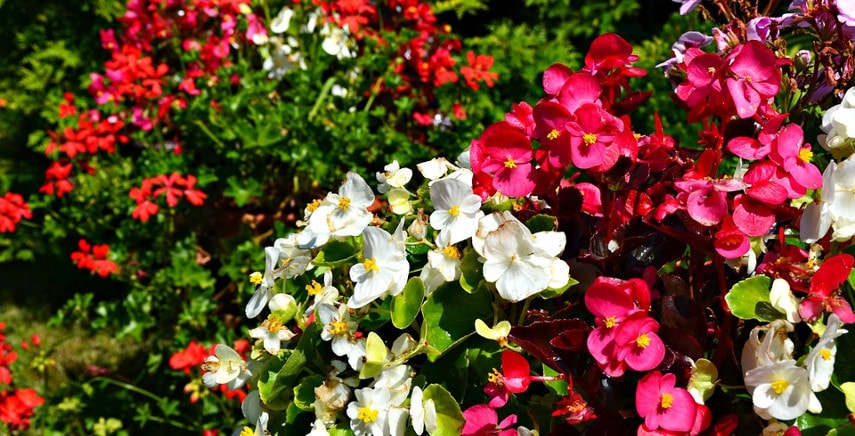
(344,203)
(451,251)
(314,288)
(642,341)
(805,155)
(666,401)
(255,278)
(589,138)
(553,135)
(371,265)
(454,211)
(496,377)
(610,322)
(247,431)
(510,163)
(825,353)
(311,207)
(367,414)
(780,385)
(338,327)
(274,324)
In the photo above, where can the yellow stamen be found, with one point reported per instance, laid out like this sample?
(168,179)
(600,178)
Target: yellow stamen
(338,327)
(274,324)
(666,401)
(255,278)
(780,385)
(343,202)
(454,211)
(805,155)
(451,251)
(247,431)
(589,138)
(496,377)
(553,135)
(371,265)
(642,341)
(825,353)
(314,288)
(610,322)
(510,163)
(367,415)
(311,207)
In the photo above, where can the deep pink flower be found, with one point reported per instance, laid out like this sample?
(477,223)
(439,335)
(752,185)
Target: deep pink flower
(515,378)
(521,117)
(555,77)
(753,77)
(550,119)
(580,89)
(730,242)
(506,154)
(612,301)
(795,158)
(751,216)
(593,130)
(824,293)
(663,405)
(637,343)
(482,420)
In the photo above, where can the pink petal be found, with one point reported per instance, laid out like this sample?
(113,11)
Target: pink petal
(707,206)
(748,148)
(555,77)
(752,217)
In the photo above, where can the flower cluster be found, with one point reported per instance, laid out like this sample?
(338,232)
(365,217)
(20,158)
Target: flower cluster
(94,258)
(17,405)
(173,187)
(196,355)
(12,210)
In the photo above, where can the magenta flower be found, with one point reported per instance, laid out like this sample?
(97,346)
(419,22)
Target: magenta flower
(663,405)
(729,241)
(514,378)
(637,343)
(593,131)
(550,119)
(751,216)
(754,77)
(612,301)
(505,153)
(795,158)
(580,89)
(706,200)
(482,420)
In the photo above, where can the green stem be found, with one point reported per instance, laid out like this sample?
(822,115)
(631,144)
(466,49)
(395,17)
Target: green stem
(524,310)
(325,90)
(209,133)
(147,394)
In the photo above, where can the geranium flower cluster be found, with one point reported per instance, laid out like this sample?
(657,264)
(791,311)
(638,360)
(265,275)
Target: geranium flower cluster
(94,258)
(13,209)
(17,405)
(173,187)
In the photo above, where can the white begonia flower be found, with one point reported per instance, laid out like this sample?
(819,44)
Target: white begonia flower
(369,412)
(323,294)
(334,394)
(337,328)
(552,244)
(282,260)
(264,291)
(782,298)
(397,420)
(336,42)
(272,333)
(820,361)
(397,380)
(225,367)
(435,168)
(519,263)
(456,210)
(816,218)
(498,333)
(393,176)
(838,123)
(284,57)
(443,265)
(489,223)
(780,388)
(422,412)
(282,22)
(318,429)
(345,213)
(843,202)
(399,201)
(384,270)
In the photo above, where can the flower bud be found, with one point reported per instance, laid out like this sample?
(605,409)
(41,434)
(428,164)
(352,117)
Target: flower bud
(284,306)
(418,228)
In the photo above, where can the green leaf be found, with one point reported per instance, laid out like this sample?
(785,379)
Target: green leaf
(470,269)
(450,315)
(549,293)
(541,223)
(276,382)
(848,389)
(304,393)
(274,395)
(375,355)
(745,297)
(704,376)
(449,418)
(406,305)
(557,386)
(335,253)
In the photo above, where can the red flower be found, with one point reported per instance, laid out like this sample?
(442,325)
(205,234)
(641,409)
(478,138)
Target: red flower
(824,293)
(94,258)
(12,210)
(56,180)
(478,70)
(190,357)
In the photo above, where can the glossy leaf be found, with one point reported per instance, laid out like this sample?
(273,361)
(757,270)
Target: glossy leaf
(450,316)
(449,418)
(405,306)
(745,297)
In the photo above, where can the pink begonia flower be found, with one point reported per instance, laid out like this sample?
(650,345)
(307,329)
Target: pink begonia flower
(824,293)
(701,91)
(754,77)
(752,217)
(580,89)
(521,117)
(482,420)
(550,118)
(592,202)
(612,301)
(507,156)
(764,186)
(706,200)
(703,419)
(638,344)
(663,405)
(748,148)
(794,158)
(729,241)
(555,77)
(593,130)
